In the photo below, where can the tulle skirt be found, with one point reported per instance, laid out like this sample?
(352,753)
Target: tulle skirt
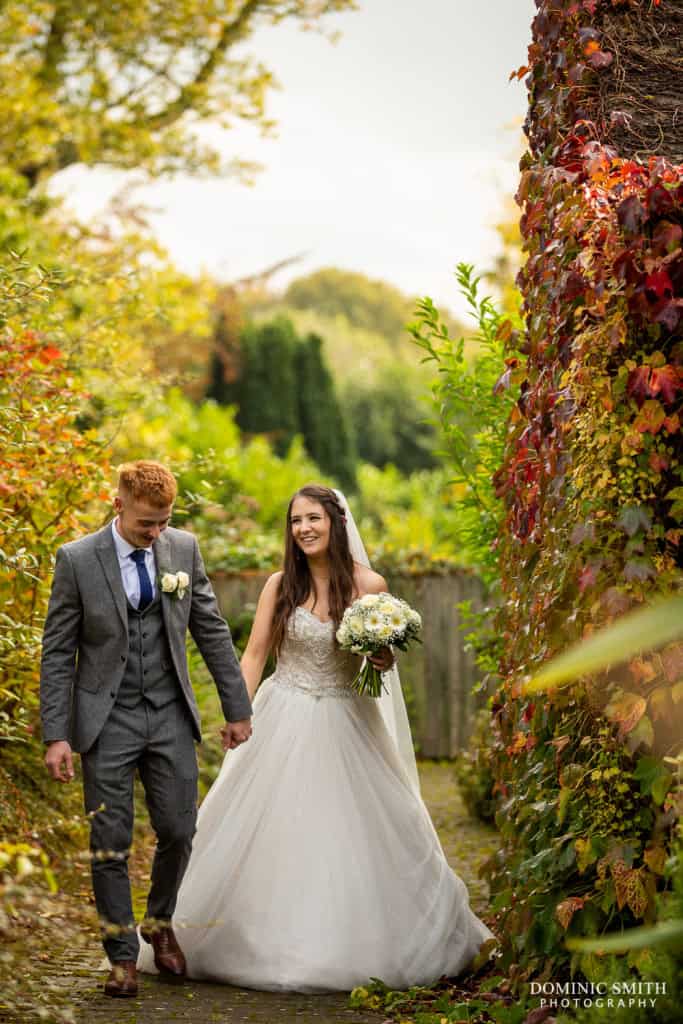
(315,865)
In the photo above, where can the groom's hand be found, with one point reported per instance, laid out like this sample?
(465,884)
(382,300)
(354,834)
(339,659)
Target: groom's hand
(234,733)
(59,761)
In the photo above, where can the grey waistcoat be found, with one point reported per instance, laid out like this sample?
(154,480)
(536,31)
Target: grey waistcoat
(149,673)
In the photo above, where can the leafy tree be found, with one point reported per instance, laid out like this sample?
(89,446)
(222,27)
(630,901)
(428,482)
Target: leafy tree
(52,482)
(391,422)
(372,305)
(126,83)
(282,387)
(321,421)
(225,360)
(266,389)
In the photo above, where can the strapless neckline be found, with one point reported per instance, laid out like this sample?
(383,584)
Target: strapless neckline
(312,615)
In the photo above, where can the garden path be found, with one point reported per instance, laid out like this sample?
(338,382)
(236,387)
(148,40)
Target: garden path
(72,973)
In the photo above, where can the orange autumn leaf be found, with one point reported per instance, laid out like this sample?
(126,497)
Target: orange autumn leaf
(565,910)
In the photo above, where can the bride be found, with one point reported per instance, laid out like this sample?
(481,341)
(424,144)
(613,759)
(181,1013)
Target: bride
(315,865)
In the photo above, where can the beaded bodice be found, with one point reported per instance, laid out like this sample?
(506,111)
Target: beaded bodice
(311,662)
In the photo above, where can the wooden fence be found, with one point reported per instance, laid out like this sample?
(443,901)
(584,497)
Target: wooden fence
(437,676)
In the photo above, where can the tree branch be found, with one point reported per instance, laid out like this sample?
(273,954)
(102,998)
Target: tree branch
(231,34)
(54,46)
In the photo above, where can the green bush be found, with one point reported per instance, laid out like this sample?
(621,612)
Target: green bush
(473,771)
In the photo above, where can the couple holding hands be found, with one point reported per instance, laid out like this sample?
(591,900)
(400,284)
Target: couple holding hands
(312,864)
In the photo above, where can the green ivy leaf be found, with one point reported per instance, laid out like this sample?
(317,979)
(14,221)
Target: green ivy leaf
(653,777)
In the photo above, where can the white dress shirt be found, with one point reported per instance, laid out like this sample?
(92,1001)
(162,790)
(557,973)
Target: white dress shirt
(129,570)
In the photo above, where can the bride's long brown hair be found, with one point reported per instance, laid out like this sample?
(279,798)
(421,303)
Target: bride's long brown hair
(296,583)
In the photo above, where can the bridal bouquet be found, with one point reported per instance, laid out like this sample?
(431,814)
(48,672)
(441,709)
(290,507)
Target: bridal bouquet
(370,623)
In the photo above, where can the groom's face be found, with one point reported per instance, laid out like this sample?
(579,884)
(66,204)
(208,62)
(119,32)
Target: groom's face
(139,521)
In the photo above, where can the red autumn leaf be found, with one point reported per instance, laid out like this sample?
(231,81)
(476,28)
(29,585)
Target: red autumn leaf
(672,424)
(658,286)
(631,214)
(657,462)
(650,418)
(667,236)
(639,384)
(49,354)
(659,200)
(666,380)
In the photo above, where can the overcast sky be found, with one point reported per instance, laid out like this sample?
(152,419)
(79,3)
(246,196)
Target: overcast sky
(394,149)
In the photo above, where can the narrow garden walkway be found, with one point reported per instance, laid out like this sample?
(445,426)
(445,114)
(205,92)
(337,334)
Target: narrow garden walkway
(74,973)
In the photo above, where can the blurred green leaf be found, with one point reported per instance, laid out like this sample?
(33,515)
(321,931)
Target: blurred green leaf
(646,628)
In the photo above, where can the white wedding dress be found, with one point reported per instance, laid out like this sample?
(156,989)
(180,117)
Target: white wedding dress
(315,865)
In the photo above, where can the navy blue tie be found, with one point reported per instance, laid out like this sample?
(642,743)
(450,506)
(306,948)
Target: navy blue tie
(146,592)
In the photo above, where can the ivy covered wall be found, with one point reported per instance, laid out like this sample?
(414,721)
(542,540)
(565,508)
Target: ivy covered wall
(592,483)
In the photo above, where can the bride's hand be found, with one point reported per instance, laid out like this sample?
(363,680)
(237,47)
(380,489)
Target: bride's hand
(234,733)
(383,660)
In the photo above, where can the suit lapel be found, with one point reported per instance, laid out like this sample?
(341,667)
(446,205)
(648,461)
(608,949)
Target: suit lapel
(163,559)
(106,553)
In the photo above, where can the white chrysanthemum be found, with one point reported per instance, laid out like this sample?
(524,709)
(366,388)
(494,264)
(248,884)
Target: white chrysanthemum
(386,607)
(374,622)
(384,632)
(414,617)
(397,619)
(355,625)
(343,633)
(369,600)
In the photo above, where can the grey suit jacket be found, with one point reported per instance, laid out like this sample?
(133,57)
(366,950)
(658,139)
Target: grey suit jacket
(85,641)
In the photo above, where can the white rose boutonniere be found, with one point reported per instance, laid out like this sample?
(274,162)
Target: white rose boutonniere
(175,583)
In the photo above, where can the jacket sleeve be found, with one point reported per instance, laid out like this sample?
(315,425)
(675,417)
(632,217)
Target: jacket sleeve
(60,646)
(211,633)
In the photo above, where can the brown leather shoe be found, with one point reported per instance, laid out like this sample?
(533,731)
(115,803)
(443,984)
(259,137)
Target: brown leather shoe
(123,979)
(168,956)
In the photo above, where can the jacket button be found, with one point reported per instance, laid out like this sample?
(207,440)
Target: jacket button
(113,693)
(123,657)
(144,636)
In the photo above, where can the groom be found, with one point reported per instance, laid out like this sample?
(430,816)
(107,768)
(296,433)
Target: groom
(114,687)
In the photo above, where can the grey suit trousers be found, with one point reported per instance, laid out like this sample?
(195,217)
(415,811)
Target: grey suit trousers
(159,744)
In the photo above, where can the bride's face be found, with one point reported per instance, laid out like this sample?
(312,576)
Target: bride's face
(310,526)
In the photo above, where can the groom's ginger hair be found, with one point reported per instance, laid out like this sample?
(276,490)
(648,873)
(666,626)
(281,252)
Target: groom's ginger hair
(149,481)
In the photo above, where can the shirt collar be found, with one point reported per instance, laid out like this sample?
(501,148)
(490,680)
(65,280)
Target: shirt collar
(123,548)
